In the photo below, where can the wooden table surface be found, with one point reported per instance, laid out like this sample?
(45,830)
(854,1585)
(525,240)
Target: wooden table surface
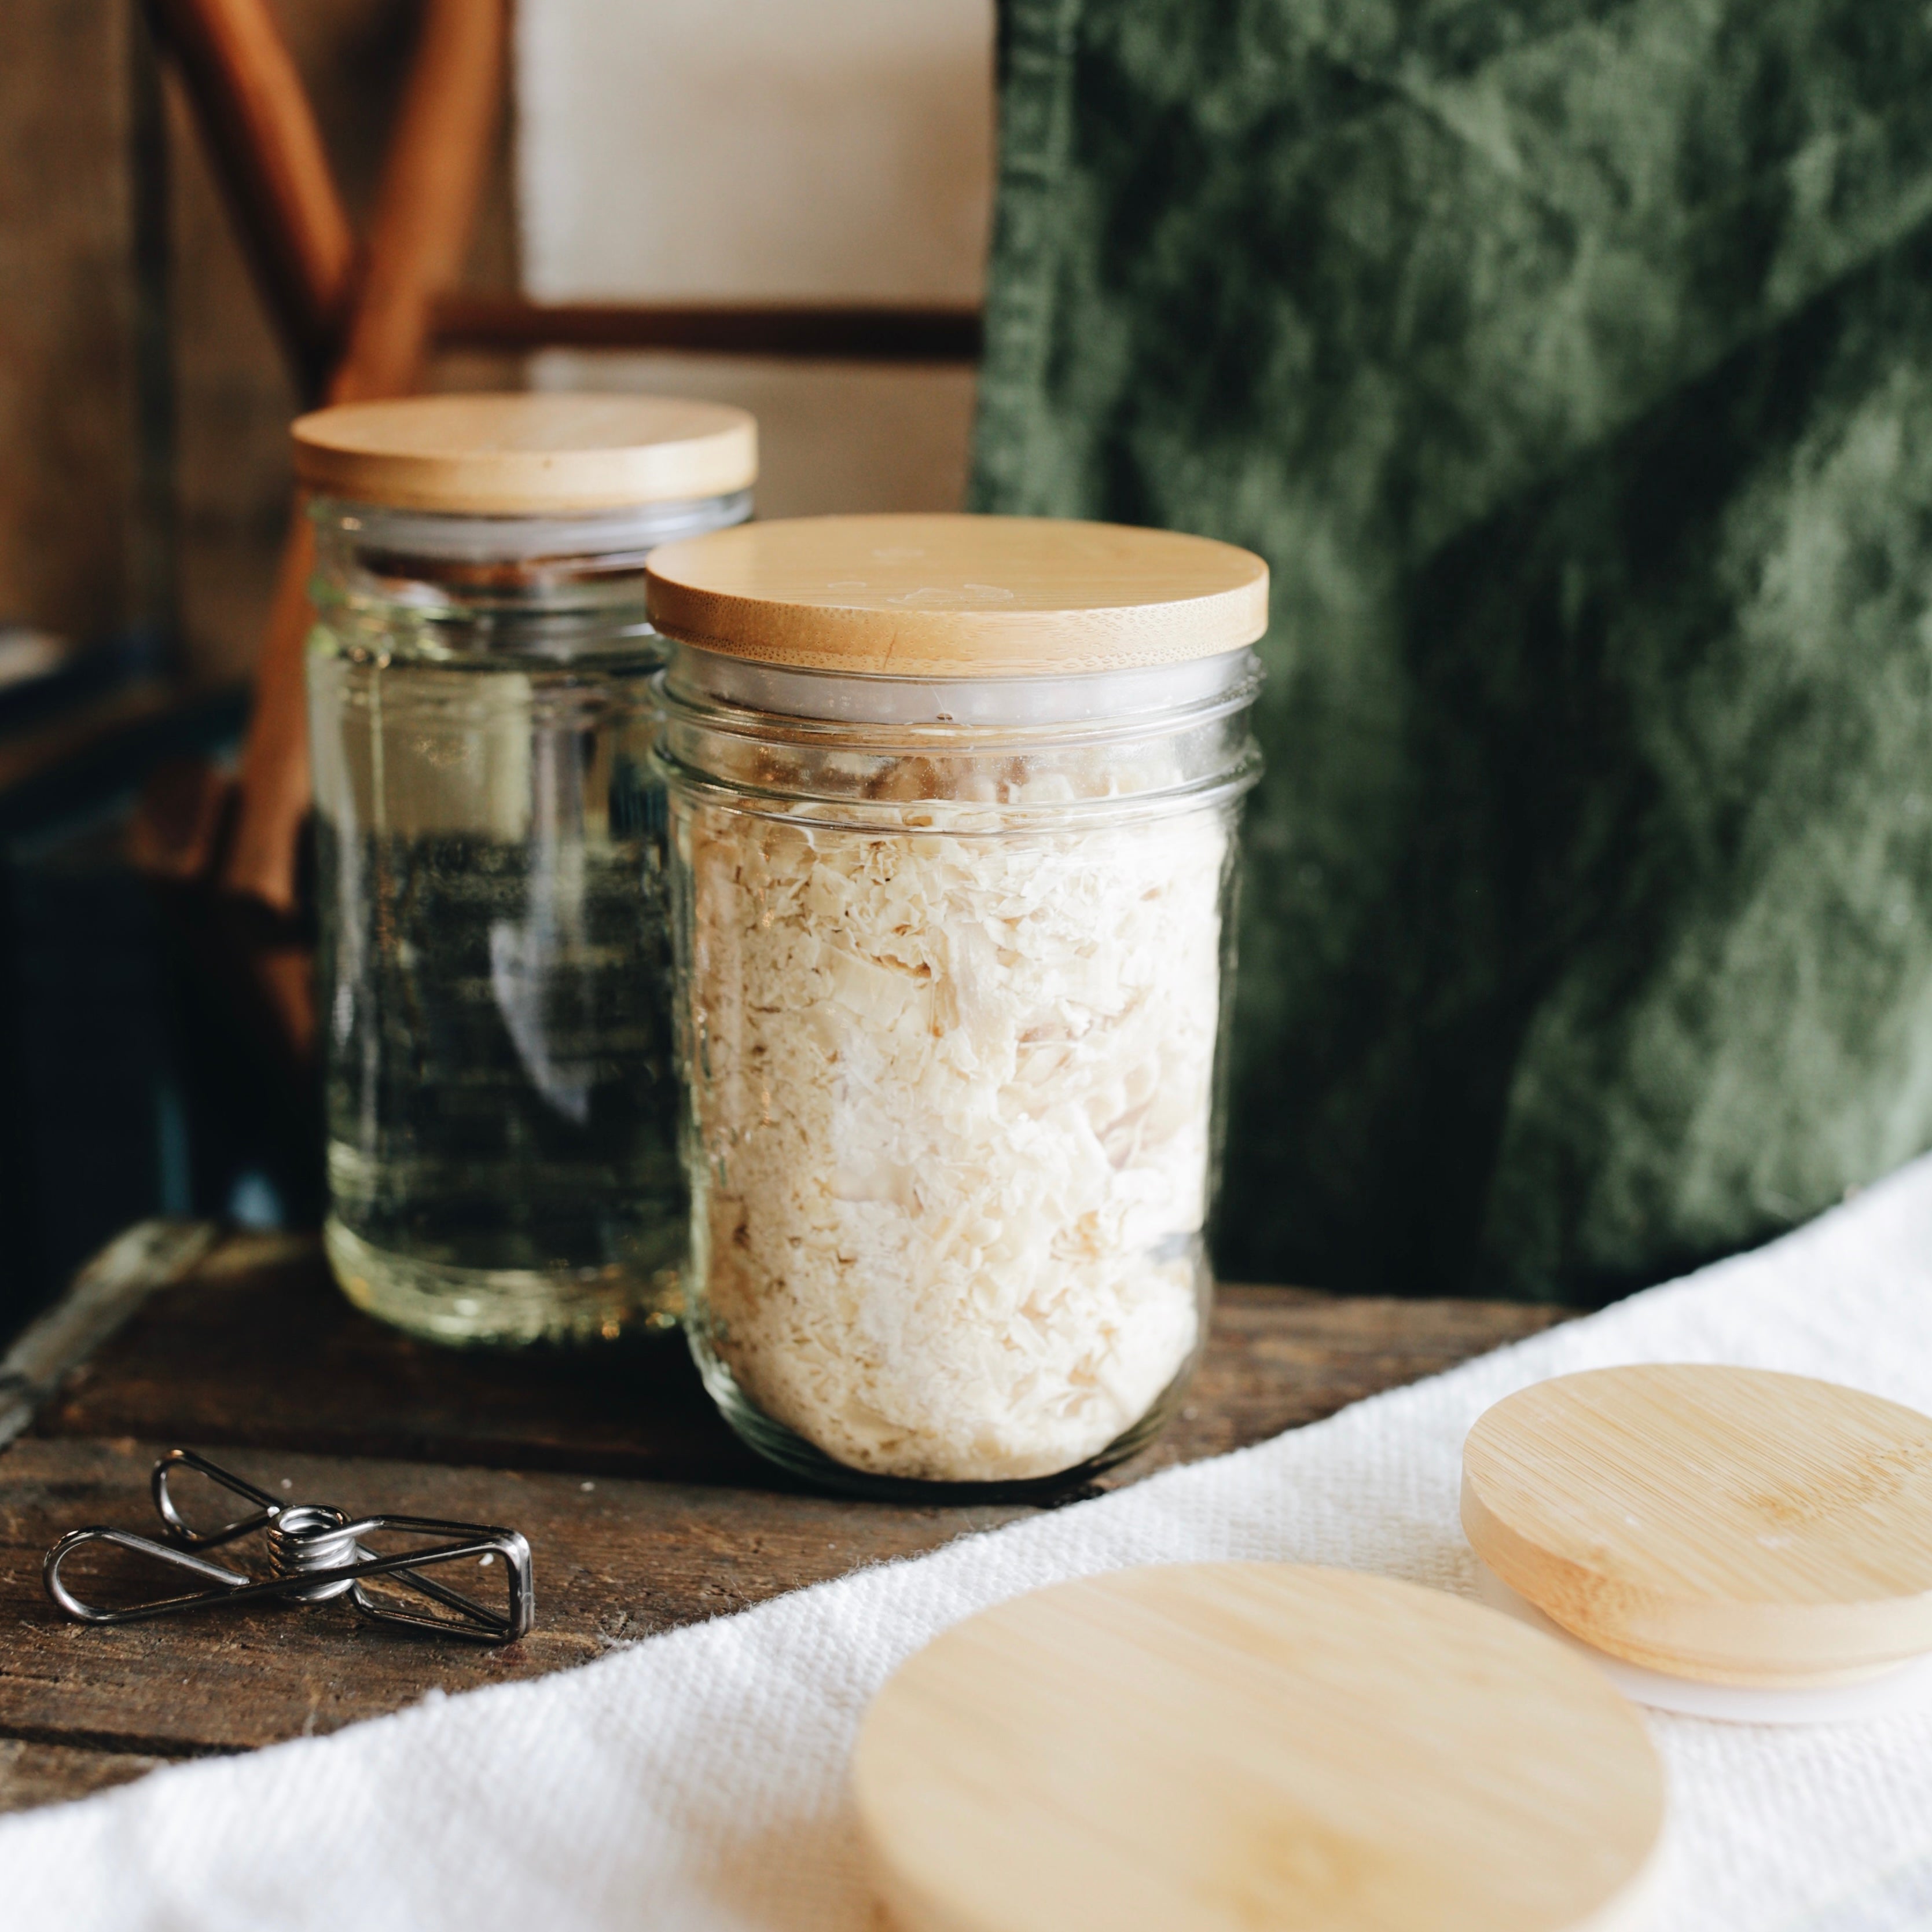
(643,1511)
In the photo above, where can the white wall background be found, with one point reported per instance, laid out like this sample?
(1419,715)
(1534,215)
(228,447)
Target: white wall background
(748,149)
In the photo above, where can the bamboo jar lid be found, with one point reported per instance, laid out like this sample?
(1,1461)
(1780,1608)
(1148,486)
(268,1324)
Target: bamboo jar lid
(1233,1747)
(957,596)
(534,454)
(1732,1524)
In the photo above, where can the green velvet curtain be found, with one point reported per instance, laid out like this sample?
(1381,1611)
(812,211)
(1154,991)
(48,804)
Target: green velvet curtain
(1571,365)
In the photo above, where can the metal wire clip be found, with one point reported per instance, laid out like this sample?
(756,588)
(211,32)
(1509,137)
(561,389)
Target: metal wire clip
(315,1553)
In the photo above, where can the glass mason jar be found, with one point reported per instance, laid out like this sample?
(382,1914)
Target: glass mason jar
(954,931)
(493,963)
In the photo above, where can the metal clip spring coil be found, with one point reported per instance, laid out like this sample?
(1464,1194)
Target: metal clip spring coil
(315,1553)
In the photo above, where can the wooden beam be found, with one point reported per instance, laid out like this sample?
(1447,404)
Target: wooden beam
(425,208)
(847,332)
(268,156)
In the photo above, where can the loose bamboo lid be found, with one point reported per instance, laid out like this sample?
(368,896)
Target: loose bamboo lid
(1230,1746)
(1733,1525)
(957,596)
(539,454)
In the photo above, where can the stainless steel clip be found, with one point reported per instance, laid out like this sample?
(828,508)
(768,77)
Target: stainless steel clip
(314,1553)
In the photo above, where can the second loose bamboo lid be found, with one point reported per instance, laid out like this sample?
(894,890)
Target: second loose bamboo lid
(529,454)
(1736,1525)
(957,596)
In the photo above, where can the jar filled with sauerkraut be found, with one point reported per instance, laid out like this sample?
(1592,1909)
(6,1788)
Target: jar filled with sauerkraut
(953,807)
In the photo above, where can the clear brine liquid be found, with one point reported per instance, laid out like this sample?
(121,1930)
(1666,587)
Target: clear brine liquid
(501,1098)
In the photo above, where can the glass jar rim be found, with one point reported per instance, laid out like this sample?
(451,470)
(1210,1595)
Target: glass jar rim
(464,537)
(706,681)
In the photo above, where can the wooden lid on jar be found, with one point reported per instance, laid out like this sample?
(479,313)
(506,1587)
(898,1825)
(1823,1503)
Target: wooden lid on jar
(957,596)
(1733,1525)
(534,454)
(1230,1746)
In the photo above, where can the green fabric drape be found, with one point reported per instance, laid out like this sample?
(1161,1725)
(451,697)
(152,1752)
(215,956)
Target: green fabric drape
(1571,365)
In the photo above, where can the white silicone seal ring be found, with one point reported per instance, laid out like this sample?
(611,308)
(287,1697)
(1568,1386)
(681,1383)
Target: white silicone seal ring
(1907,1689)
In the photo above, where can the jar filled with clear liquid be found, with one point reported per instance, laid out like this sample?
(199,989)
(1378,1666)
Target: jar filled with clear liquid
(494,961)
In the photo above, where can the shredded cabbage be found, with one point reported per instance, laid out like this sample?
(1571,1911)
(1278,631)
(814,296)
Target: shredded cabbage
(953,1090)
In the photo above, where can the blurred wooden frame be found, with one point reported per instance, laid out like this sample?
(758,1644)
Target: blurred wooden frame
(359,319)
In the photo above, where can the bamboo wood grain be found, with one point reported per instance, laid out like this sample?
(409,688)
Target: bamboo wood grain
(1730,1524)
(953,596)
(549,452)
(425,207)
(268,156)
(1231,1748)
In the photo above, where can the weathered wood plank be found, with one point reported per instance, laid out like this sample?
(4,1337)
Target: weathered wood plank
(235,395)
(256,1347)
(1281,1357)
(643,1511)
(32,1773)
(615,1560)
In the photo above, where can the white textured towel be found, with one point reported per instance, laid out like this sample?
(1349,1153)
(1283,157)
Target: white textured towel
(698,1779)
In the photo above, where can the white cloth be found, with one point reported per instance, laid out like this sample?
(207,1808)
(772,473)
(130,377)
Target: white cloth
(698,1780)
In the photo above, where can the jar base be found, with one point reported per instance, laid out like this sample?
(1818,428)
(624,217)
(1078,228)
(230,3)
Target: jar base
(502,1308)
(791,1452)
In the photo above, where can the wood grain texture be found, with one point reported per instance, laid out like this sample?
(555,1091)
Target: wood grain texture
(643,1511)
(33,1775)
(1730,1524)
(957,596)
(615,1560)
(236,396)
(426,206)
(419,234)
(854,331)
(1225,1746)
(253,112)
(546,453)
(257,1347)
